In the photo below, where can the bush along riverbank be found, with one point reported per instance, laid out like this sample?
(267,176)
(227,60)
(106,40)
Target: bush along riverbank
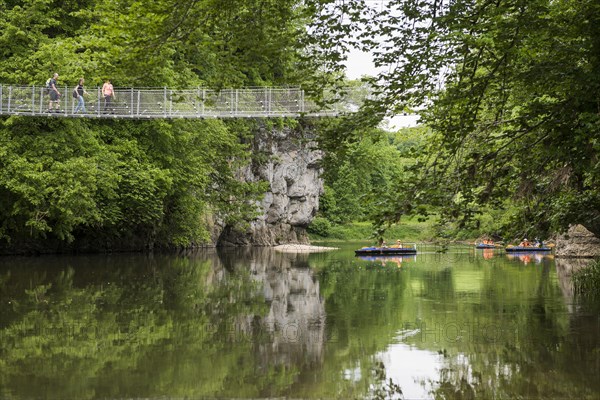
(411,229)
(86,186)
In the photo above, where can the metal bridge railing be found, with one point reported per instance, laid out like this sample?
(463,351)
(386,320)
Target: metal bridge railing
(169,103)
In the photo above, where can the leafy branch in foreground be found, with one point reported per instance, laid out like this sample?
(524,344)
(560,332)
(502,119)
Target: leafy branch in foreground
(512,93)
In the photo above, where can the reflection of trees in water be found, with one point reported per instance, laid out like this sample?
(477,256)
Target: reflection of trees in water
(550,354)
(213,325)
(155,325)
(584,318)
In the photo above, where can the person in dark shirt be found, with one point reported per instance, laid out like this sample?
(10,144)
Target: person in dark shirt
(80,91)
(54,94)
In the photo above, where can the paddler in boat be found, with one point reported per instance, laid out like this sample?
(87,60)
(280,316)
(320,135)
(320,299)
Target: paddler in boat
(382,243)
(524,243)
(398,244)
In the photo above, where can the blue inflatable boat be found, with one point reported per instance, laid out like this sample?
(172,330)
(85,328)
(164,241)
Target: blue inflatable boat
(485,246)
(384,251)
(521,249)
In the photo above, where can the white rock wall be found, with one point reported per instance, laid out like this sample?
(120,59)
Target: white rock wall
(293,172)
(577,242)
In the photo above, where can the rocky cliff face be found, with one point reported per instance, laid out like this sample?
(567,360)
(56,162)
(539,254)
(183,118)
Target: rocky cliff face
(291,166)
(577,242)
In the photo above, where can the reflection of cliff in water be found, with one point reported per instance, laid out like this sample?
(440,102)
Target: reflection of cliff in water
(565,267)
(293,331)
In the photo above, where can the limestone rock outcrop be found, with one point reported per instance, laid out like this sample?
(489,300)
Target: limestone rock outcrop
(577,242)
(288,160)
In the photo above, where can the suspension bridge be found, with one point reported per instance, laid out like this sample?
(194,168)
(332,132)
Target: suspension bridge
(153,103)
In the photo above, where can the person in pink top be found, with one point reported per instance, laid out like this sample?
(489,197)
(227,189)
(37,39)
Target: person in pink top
(109,94)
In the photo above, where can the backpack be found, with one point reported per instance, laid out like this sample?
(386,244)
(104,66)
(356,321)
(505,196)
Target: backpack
(75,93)
(48,85)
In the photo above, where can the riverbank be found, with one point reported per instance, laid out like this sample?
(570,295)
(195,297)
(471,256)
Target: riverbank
(409,229)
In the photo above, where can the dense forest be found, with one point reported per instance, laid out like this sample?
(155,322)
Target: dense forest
(136,184)
(509,93)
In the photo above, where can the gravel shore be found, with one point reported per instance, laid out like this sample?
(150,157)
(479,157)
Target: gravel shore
(302,248)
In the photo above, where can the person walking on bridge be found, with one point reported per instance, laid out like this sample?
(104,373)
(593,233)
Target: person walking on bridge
(108,93)
(80,91)
(54,93)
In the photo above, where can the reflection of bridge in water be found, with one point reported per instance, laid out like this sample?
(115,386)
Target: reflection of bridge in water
(152,103)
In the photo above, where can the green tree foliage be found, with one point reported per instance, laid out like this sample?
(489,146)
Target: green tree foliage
(320,226)
(162,43)
(147,182)
(366,169)
(512,90)
(135,183)
(235,43)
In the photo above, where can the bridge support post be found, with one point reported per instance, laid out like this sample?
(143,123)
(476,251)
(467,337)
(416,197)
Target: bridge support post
(1,101)
(234,105)
(139,99)
(198,102)
(41,100)
(33,100)
(230,102)
(9,98)
(165,101)
(66,101)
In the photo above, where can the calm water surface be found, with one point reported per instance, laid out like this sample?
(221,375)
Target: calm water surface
(255,323)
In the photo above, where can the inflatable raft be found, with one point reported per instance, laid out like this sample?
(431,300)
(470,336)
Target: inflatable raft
(521,249)
(384,251)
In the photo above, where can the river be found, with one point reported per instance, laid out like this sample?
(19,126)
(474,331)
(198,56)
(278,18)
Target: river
(256,323)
